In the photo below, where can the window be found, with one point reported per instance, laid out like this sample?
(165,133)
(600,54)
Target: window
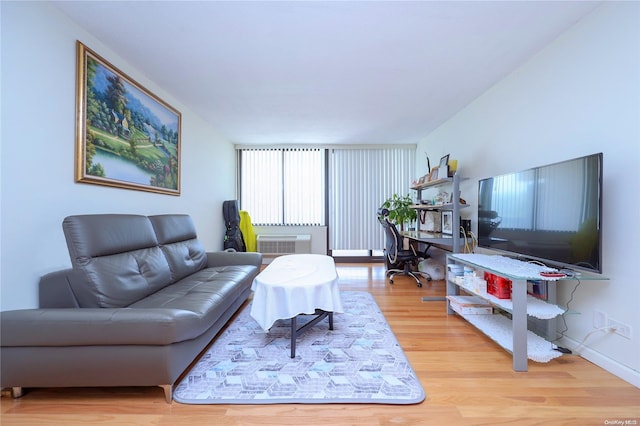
(299,186)
(283,186)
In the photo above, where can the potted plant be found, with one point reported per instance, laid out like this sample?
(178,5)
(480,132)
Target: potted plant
(400,211)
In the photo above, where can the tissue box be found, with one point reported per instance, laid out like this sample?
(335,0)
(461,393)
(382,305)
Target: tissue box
(470,305)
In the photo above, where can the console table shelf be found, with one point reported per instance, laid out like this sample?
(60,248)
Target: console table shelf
(499,329)
(535,307)
(513,334)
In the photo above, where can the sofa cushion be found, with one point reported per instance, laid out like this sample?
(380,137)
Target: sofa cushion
(97,235)
(205,293)
(176,234)
(120,256)
(96,327)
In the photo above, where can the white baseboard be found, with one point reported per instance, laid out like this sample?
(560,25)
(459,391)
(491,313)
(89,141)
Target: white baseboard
(625,373)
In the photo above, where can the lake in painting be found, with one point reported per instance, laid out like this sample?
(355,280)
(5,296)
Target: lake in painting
(117,168)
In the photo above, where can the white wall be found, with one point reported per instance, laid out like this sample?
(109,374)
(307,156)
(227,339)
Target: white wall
(37,157)
(578,96)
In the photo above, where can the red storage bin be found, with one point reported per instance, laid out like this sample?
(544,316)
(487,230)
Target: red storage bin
(498,286)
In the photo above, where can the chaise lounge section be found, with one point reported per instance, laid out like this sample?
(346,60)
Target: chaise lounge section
(142,300)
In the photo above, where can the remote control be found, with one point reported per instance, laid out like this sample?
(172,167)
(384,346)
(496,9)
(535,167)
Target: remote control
(552,274)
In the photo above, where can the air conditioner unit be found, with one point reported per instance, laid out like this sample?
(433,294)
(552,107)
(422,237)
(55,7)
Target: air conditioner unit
(284,244)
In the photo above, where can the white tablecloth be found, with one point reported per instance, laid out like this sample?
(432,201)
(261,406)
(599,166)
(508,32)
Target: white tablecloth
(295,284)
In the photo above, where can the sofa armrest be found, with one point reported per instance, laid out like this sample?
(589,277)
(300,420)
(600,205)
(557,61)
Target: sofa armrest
(97,326)
(226,258)
(55,289)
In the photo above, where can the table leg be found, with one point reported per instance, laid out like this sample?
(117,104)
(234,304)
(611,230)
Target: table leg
(295,332)
(293,337)
(519,324)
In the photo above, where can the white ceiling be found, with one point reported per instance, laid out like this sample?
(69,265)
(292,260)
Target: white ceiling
(328,72)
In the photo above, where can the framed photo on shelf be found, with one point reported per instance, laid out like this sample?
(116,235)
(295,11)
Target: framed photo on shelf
(433,175)
(431,220)
(443,167)
(444,161)
(447,222)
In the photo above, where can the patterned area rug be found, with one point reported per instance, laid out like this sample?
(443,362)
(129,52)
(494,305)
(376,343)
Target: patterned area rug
(359,361)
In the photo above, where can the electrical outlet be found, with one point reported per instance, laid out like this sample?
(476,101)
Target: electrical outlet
(599,319)
(620,328)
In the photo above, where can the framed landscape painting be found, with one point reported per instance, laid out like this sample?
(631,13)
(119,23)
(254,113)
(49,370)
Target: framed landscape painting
(126,137)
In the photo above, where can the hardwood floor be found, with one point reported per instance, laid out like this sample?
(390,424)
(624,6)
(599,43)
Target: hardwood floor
(467,378)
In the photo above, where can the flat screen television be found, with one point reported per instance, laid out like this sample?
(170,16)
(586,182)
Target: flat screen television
(552,214)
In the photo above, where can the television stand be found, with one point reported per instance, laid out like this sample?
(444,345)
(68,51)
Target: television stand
(513,334)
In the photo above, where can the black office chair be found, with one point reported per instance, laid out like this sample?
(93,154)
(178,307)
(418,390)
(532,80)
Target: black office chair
(395,257)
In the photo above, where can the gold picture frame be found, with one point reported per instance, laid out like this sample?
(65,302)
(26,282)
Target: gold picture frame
(126,137)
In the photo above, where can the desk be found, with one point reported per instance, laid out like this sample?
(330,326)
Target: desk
(438,239)
(293,285)
(434,238)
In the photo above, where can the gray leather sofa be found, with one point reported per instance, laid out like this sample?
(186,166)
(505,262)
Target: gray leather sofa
(140,303)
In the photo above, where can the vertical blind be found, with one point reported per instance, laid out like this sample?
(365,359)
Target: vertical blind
(304,186)
(360,180)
